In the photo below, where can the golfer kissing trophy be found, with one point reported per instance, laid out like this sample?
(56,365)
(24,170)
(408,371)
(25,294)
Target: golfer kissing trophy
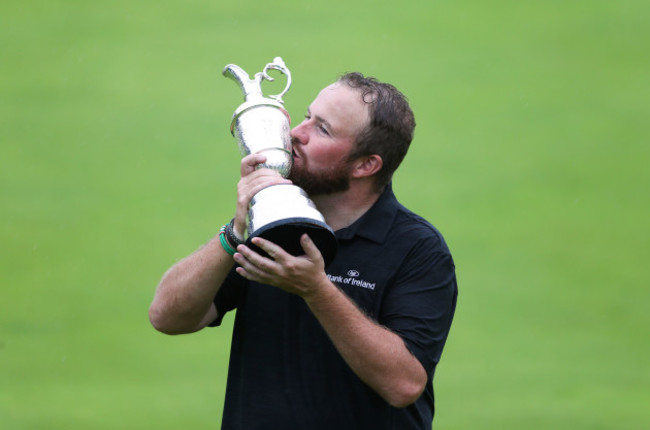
(279,213)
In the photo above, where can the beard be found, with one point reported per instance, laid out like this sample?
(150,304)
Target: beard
(331,180)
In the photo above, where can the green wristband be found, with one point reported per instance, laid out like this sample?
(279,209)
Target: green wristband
(224,242)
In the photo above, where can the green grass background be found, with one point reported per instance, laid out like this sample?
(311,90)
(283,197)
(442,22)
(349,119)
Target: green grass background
(531,156)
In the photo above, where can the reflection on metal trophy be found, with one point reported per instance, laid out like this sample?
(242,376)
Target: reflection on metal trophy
(280,213)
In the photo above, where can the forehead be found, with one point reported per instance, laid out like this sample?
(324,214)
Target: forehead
(342,108)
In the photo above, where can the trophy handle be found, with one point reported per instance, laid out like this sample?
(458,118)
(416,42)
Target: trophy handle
(278,64)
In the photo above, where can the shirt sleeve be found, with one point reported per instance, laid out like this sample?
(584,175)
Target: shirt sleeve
(420,305)
(228,296)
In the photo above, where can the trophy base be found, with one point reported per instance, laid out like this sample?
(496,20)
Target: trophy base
(287,233)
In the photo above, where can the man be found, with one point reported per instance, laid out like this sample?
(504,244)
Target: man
(353,345)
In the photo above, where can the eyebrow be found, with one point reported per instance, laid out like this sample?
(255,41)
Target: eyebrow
(321,120)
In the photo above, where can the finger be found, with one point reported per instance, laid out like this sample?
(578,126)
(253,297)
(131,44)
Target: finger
(249,162)
(250,274)
(262,264)
(274,251)
(259,179)
(250,185)
(310,248)
(245,258)
(264,178)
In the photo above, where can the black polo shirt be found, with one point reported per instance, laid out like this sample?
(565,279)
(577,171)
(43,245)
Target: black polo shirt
(284,371)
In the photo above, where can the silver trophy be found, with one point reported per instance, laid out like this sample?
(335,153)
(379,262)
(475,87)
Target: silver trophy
(279,213)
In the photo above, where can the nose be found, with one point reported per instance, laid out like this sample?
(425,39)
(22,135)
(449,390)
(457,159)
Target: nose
(299,134)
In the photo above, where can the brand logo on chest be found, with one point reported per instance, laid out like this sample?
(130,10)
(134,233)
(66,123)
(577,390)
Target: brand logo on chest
(352,278)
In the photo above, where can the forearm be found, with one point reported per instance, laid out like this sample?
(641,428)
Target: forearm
(185,293)
(378,356)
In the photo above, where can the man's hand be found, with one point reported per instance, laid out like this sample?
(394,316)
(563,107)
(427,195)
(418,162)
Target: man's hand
(378,356)
(252,181)
(303,275)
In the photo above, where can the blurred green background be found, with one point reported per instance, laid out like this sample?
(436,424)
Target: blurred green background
(531,156)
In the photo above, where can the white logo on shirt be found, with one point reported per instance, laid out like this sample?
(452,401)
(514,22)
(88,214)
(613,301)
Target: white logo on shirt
(352,279)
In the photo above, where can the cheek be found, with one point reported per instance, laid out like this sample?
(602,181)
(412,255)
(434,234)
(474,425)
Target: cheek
(317,155)
(332,153)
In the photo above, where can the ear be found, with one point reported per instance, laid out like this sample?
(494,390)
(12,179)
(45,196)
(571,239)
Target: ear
(367,166)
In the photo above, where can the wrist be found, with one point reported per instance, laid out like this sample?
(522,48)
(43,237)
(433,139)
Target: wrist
(235,239)
(225,243)
(239,228)
(321,293)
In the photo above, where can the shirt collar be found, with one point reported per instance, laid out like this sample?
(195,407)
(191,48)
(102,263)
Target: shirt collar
(376,222)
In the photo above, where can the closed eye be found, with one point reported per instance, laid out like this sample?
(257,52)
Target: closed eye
(320,124)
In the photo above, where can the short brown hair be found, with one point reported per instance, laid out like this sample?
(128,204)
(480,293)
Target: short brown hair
(390,129)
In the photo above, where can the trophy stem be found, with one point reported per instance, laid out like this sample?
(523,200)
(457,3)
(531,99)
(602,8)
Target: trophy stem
(282,213)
